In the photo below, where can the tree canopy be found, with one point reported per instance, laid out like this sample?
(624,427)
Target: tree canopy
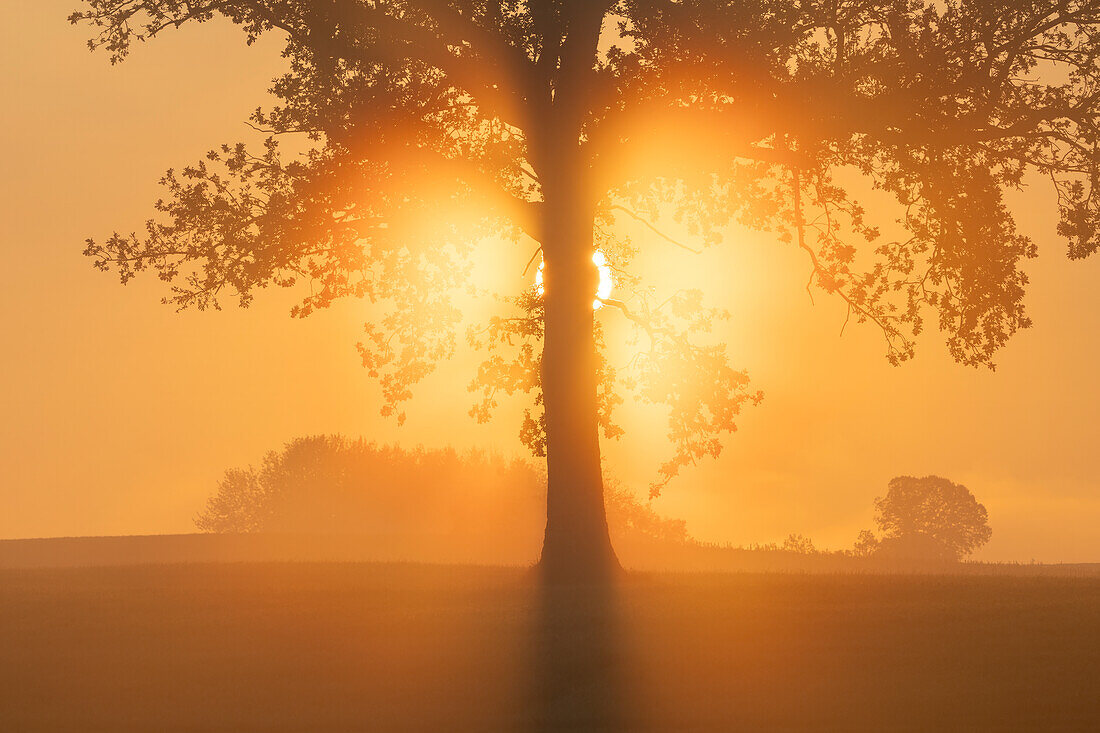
(432,124)
(936,508)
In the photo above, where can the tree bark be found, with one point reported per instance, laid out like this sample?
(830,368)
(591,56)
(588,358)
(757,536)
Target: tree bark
(576,546)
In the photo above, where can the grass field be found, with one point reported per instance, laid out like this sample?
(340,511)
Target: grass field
(377,647)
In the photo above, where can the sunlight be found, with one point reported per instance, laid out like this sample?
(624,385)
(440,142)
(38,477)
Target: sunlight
(603,290)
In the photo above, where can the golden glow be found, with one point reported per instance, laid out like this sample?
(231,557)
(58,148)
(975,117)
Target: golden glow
(134,359)
(603,290)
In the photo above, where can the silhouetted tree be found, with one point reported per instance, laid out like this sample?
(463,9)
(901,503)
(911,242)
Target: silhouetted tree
(240,504)
(799,543)
(866,544)
(434,122)
(916,510)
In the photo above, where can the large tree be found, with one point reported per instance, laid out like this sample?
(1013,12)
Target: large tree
(935,508)
(432,124)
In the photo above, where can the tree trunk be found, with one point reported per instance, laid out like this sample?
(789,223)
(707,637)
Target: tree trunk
(576,546)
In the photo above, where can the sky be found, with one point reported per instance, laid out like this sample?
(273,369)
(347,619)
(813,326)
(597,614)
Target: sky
(118,415)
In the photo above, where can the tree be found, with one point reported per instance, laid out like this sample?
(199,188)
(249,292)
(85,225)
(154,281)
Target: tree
(799,544)
(866,544)
(915,509)
(431,124)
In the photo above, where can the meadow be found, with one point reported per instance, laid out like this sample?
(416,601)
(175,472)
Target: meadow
(394,647)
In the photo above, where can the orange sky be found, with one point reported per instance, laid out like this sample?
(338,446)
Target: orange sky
(119,415)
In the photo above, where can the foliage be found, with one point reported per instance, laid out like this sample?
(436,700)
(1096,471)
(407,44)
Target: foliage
(241,501)
(514,365)
(919,548)
(866,544)
(431,124)
(326,484)
(625,512)
(799,544)
(935,507)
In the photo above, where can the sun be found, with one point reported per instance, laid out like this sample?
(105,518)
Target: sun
(603,290)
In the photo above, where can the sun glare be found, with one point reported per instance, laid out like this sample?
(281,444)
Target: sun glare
(603,290)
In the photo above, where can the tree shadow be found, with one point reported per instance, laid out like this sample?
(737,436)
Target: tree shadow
(581,673)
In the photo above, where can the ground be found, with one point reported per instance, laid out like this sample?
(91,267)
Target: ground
(390,647)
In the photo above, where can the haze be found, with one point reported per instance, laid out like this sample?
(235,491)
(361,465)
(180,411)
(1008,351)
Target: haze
(120,414)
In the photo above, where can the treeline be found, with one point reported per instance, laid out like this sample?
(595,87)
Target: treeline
(418,504)
(442,505)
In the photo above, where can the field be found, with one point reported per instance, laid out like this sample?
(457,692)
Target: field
(391,647)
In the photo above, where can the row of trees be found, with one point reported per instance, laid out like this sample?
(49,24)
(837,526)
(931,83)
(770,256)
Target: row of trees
(418,504)
(442,503)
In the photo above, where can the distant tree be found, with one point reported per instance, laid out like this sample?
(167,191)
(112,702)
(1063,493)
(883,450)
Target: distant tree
(239,505)
(431,124)
(800,544)
(310,485)
(915,510)
(626,513)
(866,544)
